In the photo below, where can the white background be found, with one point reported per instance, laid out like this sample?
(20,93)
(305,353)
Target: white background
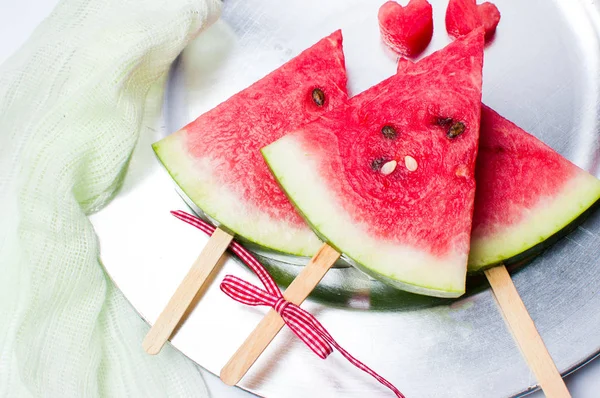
(17,21)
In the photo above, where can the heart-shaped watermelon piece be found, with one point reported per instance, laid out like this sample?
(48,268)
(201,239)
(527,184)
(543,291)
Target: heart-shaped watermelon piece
(406,30)
(462,16)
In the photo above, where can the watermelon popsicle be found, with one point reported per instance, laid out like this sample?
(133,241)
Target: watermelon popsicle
(527,194)
(368,175)
(527,197)
(388,180)
(216,162)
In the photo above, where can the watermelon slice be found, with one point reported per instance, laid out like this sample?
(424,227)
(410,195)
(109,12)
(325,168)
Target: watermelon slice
(463,16)
(406,30)
(216,159)
(389,179)
(526,192)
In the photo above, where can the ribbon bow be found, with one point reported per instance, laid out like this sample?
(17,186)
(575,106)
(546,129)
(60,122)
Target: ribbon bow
(302,323)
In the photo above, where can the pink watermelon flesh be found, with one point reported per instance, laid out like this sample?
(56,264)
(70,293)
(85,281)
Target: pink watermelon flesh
(406,30)
(526,192)
(216,159)
(409,228)
(463,16)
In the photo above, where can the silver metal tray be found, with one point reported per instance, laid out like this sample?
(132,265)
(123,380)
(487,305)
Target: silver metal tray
(542,71)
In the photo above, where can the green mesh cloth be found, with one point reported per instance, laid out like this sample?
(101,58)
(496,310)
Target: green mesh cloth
(72,103)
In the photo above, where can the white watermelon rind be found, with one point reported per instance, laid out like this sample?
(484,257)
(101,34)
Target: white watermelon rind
(195,177)
(548,218)
(400,266)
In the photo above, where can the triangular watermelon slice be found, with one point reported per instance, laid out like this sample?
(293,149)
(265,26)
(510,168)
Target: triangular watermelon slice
(526,192)
(216,159)
(389,179)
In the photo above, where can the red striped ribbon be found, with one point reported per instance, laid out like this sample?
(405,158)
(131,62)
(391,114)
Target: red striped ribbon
(303,324)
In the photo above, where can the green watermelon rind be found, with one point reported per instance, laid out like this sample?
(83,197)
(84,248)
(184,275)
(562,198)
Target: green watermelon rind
(184,170)
(546,223)
(281,162)
(530,254)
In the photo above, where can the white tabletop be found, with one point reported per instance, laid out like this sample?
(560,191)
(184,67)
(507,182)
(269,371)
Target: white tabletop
(19,18)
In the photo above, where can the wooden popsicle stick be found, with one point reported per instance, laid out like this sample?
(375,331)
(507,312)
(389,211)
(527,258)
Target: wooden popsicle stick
(200,271)
(271,324)
(525,333)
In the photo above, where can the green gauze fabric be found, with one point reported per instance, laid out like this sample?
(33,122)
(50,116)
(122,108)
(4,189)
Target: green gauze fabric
(72,103)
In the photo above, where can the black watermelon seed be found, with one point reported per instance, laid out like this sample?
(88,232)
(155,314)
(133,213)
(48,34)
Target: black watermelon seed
(389,132)
(443,121)
(455,130)
(318,96)
(377,163)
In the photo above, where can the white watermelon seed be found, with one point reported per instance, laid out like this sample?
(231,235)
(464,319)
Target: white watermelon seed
(389,167)
(462,170)
(410,163)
